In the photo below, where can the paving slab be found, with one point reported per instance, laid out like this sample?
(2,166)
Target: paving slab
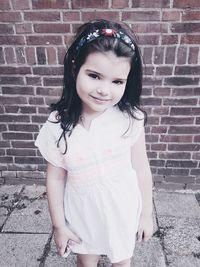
(9,195)
(21,250)
(176,204)
(181,238)
(183,261)
(148,254)
(34,191)
(29,217)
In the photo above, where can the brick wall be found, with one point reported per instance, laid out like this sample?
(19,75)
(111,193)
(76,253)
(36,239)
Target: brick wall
(34,36)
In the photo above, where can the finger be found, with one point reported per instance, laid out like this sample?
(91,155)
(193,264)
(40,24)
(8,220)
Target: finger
(61,251)
(74,238)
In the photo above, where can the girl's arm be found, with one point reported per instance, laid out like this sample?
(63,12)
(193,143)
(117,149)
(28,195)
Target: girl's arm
(55,184)
(141,165)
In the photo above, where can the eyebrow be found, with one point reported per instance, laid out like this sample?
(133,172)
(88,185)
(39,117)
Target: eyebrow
(97,73)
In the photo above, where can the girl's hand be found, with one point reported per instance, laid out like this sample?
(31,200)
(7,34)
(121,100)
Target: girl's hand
(61,237)
(145,230)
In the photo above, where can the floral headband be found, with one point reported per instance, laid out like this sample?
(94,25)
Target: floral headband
(108,33)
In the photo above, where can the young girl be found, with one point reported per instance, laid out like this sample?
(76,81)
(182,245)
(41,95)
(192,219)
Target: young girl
(99,184)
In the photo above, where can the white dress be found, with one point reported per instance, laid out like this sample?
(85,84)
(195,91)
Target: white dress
(102,199)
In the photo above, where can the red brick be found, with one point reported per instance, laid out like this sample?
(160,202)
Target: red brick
(150,138)
(17,100)
(148,39)
(91,15)
(158,55)
(44,40)
(140,16)
(158,147)
(151,101)
(12,40)
(169,39)
(53,4)
(185,27)
(181,179)
(190,39)
(41,55)
(6,159)
(171,15)
(147,55)
(29,160)
(55,71)
(170,55)
(161,91)
(36,101)
(120,3)
(193,55)
(180,102)
(20,110)
(5,5)
(79,4)
(33,81)
(174,155)
(182,55)
(164,71)
(6,29)
(175,121)
(2,60)
(48,91)
(157,163)
(20,152)
(42,16)
(197,120)
(152,120)
(189,15)
(196,156)
(159,129)
(181,163)
(39,119)
(150,4)
(10,16)
(23,28)
(15,70)
(43,110)
(12,80)
(53,81)
(150,28)
(184,130)
(160,110)
(180,81)
(18,90)
(186,3)
(187,70)
(184,147)
(146,91)
(182,92)
(51,55)
(30,55)
(20,55)
(23,144)
(185,111)
(20,4)
(71,16)
(14,118)
(52,28)
(148,70)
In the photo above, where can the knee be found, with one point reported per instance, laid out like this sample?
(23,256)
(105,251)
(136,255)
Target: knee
(87,260)
(124,263)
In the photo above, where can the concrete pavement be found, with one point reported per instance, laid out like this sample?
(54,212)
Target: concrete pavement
(26,234)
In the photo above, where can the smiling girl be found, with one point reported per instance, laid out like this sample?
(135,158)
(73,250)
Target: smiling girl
(99,183)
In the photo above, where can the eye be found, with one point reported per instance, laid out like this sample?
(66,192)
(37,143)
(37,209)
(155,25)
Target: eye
(93,76)
(118,82)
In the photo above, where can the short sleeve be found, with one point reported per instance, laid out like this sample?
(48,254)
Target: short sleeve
(137,127)
(46,142)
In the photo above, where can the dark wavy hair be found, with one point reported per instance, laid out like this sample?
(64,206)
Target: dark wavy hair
(69,107)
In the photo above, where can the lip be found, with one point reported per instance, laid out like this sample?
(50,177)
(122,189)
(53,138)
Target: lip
(100,99)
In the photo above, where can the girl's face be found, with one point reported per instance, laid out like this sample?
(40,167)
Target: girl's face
(101,81)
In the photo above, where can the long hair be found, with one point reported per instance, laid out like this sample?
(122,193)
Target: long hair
(69,107)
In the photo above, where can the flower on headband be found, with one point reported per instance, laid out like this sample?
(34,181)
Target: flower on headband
(109,32)
(93,35)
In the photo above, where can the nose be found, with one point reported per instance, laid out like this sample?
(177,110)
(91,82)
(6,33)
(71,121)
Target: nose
(103,89)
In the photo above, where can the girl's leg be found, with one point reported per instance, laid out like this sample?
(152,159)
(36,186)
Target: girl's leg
(124,263)
(85,260)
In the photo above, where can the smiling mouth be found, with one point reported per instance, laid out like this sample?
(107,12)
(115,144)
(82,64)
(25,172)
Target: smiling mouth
(100,99)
